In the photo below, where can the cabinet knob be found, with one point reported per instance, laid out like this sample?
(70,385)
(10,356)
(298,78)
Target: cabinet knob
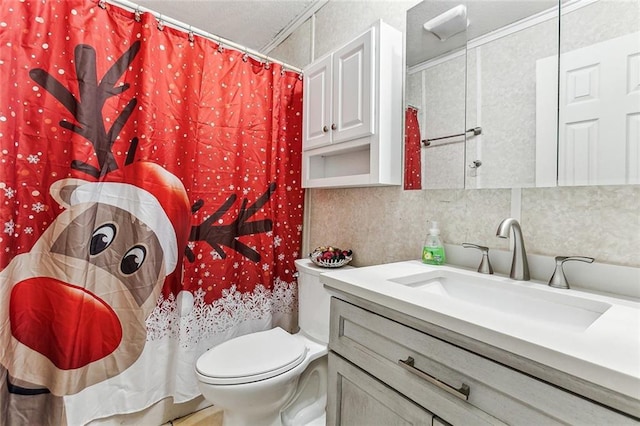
(325,129)
(333,126)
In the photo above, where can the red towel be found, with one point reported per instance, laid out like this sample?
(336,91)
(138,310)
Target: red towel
(412,149)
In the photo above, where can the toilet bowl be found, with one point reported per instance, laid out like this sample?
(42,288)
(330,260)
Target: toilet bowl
(274,378)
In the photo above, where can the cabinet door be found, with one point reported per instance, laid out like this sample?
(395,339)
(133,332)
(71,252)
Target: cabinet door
(357,399)
(353,89)
(317,104)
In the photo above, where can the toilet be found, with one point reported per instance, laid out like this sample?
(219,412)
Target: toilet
(273,378)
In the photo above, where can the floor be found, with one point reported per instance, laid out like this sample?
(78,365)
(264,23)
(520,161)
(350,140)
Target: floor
(210,416)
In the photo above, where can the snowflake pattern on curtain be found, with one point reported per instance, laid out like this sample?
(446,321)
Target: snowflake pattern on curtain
(206,320)
(150,174)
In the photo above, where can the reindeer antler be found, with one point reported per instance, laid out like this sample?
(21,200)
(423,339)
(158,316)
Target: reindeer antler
(226,235)
(88,110)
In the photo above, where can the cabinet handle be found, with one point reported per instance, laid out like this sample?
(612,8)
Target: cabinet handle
(325,129)
(462,393)
(333,126)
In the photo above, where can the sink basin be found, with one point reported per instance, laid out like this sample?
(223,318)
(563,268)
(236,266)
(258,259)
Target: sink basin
(511,300)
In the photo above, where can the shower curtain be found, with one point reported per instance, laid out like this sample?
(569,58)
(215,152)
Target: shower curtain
(151,207)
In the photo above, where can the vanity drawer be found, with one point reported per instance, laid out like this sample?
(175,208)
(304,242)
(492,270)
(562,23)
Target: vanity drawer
(356,398)
(440,373)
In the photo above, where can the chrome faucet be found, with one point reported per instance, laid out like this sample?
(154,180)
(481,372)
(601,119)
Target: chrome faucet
(519,264)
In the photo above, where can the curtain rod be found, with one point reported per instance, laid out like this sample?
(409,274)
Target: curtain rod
(133,7)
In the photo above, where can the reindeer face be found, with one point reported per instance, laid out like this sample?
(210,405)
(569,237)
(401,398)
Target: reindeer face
(73,310)
(117,242)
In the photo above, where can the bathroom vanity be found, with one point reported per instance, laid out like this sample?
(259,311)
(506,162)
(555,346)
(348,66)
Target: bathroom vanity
(422,345)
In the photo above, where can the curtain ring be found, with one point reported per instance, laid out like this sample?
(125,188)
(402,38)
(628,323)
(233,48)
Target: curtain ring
(220,46)
(102,4)
(245,57)
(160,23)
(267,64)
(191,35)
(300,76)
(137,15)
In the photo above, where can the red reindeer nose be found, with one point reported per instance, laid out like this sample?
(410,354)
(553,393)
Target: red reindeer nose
(67,324)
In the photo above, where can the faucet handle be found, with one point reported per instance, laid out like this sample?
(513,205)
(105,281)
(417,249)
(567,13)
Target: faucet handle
(485,264)
(558,279)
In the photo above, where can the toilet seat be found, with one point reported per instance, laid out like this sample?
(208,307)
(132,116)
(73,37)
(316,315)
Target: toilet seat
(250,358)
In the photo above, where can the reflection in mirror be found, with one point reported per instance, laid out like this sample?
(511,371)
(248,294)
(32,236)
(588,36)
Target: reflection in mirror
(599,120)
(487,80)
(501,93)
(436,88)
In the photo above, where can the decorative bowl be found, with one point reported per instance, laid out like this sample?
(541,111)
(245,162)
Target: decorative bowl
(330,257)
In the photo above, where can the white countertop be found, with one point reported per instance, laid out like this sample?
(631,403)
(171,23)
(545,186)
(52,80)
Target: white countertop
(606,353)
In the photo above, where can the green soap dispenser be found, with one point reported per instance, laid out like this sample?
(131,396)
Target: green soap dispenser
(433,249)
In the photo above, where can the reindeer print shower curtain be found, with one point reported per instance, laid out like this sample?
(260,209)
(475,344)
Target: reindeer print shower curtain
(150,207)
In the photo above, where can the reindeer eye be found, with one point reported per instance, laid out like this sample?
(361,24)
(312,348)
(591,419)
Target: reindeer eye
(132,260)
(102,238)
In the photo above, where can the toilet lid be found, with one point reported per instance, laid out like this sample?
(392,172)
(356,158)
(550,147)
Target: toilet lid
(252,357)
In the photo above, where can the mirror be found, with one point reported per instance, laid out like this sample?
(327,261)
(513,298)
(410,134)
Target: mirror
(599,108)
(482,79)
(501,75)
(502,86)
(435,88)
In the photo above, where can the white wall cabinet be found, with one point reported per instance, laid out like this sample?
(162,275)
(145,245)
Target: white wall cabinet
(338,93)
(352,115)
(457,386)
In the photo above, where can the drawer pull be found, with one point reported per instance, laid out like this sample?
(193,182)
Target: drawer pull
(462,393)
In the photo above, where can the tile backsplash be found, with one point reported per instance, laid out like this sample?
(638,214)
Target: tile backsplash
(389,224)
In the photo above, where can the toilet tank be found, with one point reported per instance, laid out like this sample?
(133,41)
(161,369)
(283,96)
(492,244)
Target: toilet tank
(313,301)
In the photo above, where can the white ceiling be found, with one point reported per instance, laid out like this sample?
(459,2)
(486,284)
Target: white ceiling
(261,25)
(484,16)
(257,24)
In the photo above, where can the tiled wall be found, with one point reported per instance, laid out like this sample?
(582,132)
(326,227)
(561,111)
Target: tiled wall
(389,224)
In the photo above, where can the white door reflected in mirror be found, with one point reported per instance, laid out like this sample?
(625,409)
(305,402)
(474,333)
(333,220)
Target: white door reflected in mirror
(599,119)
